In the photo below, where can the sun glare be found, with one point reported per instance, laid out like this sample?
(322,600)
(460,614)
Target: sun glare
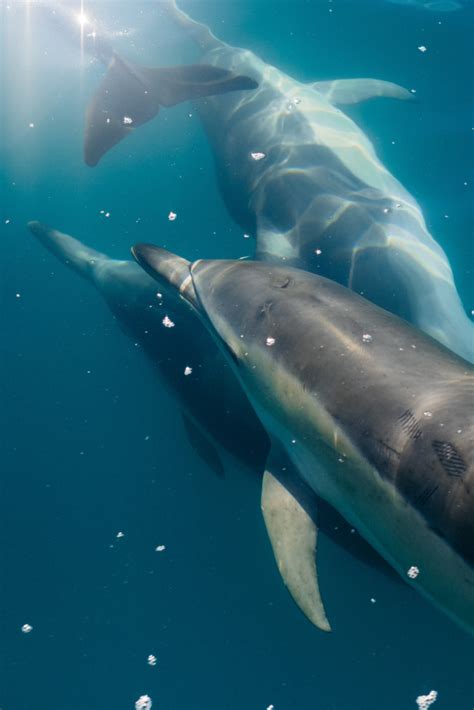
(82,19)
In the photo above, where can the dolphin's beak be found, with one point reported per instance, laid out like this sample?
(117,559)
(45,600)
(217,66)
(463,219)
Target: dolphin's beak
(168,269)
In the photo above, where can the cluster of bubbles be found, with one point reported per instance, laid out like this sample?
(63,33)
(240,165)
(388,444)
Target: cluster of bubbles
(424,701)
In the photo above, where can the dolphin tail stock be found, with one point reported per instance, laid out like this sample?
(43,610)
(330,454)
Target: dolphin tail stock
(130,95)
(198,31)
(71,251)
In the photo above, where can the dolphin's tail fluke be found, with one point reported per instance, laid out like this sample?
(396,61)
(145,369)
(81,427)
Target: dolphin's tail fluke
(199,32)
(71,251)
(130,95)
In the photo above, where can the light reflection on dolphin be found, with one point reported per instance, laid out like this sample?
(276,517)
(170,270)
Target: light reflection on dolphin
(369,413)
(304,178)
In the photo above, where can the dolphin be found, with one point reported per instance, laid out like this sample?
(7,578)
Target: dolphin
(216,413)
(129,94)
(217,416)
(372,415)
(300,175)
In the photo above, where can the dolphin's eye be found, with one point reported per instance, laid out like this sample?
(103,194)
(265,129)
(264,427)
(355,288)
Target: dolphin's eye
(280,281)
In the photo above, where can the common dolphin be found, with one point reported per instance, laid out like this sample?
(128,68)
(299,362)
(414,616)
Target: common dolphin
(303,177)
(371,414)
(130,94)
(216,413)
(213,404)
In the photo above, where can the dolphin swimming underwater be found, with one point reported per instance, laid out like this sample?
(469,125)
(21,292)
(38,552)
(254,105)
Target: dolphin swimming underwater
(214,406)
(372,415)
(216,413)
(130,94)
(301,175)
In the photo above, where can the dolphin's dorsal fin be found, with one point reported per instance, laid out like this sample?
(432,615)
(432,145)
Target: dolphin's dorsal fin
(293,534)
(352,91)
(203,446)
(129,95)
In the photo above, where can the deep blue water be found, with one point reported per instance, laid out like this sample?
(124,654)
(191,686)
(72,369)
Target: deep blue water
(91,444)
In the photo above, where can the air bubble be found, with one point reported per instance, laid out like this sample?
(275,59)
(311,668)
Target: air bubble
(424,701)
(167,322)
(143,703)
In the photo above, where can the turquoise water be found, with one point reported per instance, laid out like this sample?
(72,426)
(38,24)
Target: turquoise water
(92,444)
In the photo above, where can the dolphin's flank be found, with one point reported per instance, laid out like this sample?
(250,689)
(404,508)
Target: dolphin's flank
(362,409)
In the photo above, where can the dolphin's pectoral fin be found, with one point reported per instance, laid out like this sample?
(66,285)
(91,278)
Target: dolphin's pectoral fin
(203,447)
(352,91)
(130,95)
(293,534)
(195,81)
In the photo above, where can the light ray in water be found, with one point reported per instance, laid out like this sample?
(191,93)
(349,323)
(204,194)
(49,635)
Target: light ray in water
(83,21)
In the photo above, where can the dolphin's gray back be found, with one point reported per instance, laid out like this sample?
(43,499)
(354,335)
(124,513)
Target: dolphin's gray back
(404,401)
